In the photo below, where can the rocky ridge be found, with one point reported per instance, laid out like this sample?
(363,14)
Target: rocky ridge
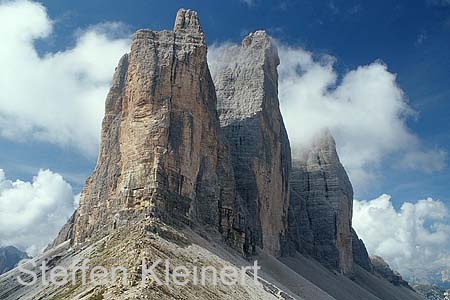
(382,268)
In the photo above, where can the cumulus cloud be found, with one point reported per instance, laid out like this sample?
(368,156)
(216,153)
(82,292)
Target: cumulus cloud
(415,240)
(54,97)
(32,213)
(365,109)
(59,97)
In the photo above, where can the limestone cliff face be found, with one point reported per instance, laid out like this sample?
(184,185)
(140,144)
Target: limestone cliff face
(160,155)
(321,204)
(360,255)
(246,81)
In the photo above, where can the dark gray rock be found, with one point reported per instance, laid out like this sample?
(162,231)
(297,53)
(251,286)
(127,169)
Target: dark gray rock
(321,202)
(382,268)
(246,81)
(360,254)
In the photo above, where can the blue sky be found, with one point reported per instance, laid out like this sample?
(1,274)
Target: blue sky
(378,69)
(411,37)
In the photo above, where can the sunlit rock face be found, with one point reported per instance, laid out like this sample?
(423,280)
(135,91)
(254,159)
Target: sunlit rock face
(160,155)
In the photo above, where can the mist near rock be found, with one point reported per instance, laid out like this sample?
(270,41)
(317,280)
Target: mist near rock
(365,109)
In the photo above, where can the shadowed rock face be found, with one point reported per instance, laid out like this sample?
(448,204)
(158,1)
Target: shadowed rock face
(246,81)
(360,254)
(160,155)
(321,202)
(382,268)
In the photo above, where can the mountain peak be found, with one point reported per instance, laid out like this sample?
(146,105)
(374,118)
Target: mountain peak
(10,256)
(187,19)
(259,36)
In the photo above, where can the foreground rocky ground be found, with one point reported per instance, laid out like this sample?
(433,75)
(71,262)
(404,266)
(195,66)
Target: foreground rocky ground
(151,242)
(291,278)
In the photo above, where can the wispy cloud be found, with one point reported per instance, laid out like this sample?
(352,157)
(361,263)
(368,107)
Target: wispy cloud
(366,111)
(421,38)
(428,161)
(55,97)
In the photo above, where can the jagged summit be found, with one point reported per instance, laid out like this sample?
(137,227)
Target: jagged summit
(240,73)
(259,36)
(261,40)
(246,81)
(187,19)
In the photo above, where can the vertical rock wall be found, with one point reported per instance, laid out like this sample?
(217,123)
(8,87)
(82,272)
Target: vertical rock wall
(246,81)
(160,153)
(360,255)
(321,206)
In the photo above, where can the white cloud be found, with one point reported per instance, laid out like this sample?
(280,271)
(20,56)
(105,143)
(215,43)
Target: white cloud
(32,213)
(55,97)
(415,240)
(59,97)
(366,111)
